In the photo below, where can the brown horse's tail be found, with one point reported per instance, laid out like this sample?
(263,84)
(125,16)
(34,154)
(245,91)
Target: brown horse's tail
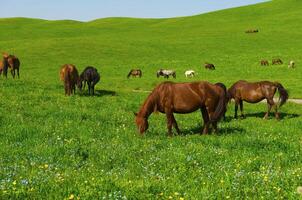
(221,107)
(283,93)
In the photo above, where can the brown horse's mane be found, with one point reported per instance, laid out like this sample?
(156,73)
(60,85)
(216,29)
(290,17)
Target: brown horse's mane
(150,104)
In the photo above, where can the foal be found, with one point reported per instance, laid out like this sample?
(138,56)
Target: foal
(169,98)
(91,76)
(69,75)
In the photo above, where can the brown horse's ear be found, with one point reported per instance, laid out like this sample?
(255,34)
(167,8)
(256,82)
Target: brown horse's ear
(135,114)
(4,54)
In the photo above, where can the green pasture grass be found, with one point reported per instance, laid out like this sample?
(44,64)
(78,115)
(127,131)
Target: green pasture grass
(58,147)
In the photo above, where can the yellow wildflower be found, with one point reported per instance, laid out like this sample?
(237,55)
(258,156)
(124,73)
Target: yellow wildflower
(71,197)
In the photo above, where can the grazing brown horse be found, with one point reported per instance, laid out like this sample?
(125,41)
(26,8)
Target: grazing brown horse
(209,66)
(70,76)
(169,98)
(11,62)
(277,61)
(264,63)
(256,92)
(135,73)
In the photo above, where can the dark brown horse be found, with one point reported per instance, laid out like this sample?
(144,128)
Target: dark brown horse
(264,63)
(256,92)
(252,31)
(169,98)
(209,66)
(135,73)
(70,76)
(10,62)
(90,76)
(277,61)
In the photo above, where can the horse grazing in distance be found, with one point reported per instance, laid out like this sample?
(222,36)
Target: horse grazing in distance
(166,73)
(10,62)
(277,61)
(135,73)
(70,76)
(209,66)
(256,92)
(291,64)
(190,73)
(264,63)
(90,76)
(169,98)
(252,31)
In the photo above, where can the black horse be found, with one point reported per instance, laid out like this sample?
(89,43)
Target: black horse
(91,76)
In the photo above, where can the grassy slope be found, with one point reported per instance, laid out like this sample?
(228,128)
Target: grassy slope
(54,146)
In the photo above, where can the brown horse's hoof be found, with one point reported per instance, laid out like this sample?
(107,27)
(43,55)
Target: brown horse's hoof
(242,117)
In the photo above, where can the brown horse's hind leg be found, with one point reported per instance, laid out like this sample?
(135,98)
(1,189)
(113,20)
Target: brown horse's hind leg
(12,72)
(270,104)
(175,124)
(206,121)
(169,115)
(18,72)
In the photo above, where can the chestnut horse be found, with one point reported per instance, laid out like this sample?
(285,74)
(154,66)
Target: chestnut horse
(69,74)
(135,73)
(256,92)
(264,63)
(169,98)
(12,62)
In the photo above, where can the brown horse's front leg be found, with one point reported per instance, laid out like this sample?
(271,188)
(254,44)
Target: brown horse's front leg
(241,108)
(175,124)
(169,123)
(206,121)
(236,109)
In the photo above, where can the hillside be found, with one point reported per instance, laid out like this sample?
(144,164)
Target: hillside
(178,43)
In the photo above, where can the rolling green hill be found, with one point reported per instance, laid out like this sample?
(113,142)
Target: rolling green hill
(57,147)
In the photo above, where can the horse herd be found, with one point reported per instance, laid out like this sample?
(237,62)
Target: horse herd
(277,61)
(169,97)
(166,73)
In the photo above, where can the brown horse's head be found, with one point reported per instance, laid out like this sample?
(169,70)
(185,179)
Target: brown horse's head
(80,83)
(141,123)
(5,55)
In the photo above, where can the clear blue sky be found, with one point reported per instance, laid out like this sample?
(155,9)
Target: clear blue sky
(85,10)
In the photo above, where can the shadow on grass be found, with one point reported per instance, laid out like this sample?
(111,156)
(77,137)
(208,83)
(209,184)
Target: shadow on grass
(221,131)
(99,93)
(271,116)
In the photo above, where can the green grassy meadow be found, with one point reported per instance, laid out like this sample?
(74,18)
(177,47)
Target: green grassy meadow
(81,147)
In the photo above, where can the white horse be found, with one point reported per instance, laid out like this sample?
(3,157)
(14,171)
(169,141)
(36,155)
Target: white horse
(190,73)
(166,73)
(291,64)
